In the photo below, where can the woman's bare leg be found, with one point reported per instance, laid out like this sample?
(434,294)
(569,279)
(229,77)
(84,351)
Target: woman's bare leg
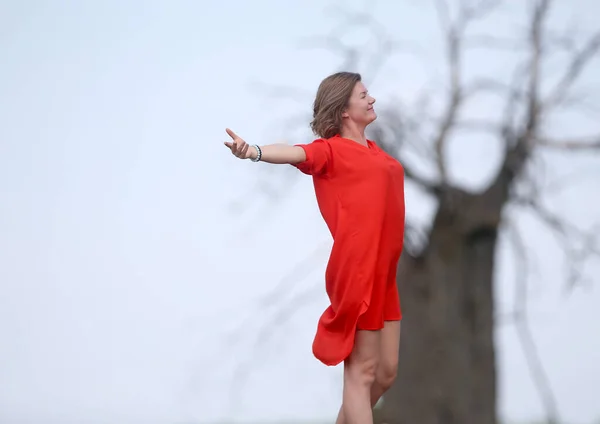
(387,368)
(387,365)
(360,371)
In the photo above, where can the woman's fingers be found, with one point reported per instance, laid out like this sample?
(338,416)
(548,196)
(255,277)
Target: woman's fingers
(231,133)
(238,147)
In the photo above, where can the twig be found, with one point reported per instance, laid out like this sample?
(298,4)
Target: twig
(576,66)
(283,314)
(521,322)
(454,31)
(578,245)
(570,145)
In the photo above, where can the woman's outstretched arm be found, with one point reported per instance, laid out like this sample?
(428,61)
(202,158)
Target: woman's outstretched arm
(271,153)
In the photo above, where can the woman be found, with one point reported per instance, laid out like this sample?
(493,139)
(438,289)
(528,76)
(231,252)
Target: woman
(360,192)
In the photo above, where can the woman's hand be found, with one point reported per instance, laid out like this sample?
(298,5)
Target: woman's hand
(239,148)
(271,153)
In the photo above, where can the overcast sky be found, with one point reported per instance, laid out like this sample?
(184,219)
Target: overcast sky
(126,260)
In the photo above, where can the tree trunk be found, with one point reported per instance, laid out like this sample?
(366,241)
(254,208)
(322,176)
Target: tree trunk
(447,371)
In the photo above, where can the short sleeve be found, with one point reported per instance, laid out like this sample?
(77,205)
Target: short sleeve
(318,157)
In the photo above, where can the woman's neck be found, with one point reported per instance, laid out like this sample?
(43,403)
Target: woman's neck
(354,134)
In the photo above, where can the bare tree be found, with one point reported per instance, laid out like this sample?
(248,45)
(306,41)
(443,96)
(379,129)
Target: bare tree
(448,358)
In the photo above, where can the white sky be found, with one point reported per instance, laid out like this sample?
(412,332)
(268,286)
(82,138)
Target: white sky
(123,265)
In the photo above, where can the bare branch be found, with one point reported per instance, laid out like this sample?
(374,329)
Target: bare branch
(385,45)
(365,19)
(401,128)
(578,245)
(571,145)
(281,92)
(349,54)
(443,12)
(479,125)
(280,308)
(283,314)
(571,180)
(576,67)
(521,321)
(539,15)
(513,95)
(415,239)
(454,36)
(297,273)
(486,85)
(560,42)
(392,145)
(519,142)
(478,10)
(486,41)
(428,186)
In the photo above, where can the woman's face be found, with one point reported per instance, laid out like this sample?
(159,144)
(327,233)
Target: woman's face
(360,106)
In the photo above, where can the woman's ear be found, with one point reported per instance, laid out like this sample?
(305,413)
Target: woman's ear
(345,114)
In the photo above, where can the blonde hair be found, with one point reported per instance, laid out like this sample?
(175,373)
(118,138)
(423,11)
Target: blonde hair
(332,98)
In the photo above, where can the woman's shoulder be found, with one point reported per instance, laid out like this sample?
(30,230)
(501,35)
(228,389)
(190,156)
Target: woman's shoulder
(338,143)
(332,141)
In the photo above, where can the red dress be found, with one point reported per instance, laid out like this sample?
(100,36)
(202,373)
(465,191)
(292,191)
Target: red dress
(360,193)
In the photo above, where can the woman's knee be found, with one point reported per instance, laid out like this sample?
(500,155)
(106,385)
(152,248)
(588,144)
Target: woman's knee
(362,364)
(363,372)
(388,364)
(387,373)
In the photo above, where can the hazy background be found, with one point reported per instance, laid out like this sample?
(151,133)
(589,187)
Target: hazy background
(126,259)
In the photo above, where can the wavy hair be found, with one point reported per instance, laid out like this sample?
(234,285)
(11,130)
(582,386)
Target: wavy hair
(330,102)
